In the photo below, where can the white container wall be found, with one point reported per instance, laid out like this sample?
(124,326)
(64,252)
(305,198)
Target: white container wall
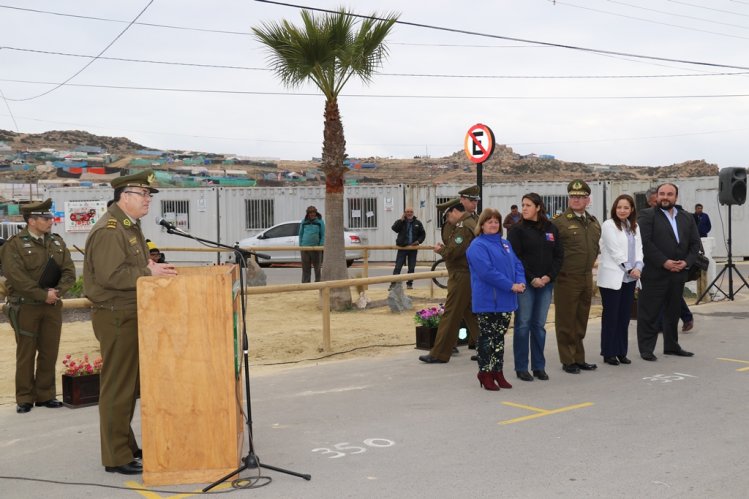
(229,214)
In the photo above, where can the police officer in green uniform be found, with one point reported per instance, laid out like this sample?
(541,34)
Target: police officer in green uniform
(579,232)
(469,198)
(116,256)
(458,232)
(39,270)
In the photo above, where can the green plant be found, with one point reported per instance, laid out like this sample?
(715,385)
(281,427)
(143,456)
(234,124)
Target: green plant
(76,290)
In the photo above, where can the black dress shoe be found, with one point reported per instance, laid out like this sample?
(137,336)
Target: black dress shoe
(680,353)
(51,403)
(524,375)
(571,368)
(586,367)
(131,468)
(648,356)
(23,408)
(541,374)
(623,359)
(456,351)
(613,361)
(138,454)
(431,360)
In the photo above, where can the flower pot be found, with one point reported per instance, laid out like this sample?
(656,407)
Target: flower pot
(80,391)
(425,337)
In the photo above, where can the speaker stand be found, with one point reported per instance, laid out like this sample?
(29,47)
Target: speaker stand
(730,268)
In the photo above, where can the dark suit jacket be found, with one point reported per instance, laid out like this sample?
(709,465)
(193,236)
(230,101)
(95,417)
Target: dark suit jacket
(659,242)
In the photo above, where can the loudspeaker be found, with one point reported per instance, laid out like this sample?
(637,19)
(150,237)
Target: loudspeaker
(732,186)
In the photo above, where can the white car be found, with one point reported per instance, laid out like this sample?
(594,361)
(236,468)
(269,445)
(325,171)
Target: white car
(287,234)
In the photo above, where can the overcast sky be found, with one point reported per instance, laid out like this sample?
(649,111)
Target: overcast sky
(576,105)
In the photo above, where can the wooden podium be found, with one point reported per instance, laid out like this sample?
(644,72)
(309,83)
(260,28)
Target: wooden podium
(189,335)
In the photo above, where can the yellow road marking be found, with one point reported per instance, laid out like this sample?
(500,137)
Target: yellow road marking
(521,406)
(153,495)
(740,369)
(542,412)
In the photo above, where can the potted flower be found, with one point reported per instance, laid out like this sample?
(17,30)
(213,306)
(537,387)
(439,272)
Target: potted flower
(80,381)
(427,321)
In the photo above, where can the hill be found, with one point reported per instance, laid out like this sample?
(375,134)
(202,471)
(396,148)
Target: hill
(504,166)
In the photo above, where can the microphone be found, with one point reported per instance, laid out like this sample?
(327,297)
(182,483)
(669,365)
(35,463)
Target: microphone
(169,225)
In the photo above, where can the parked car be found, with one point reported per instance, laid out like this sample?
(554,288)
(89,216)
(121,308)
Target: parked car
(287,234)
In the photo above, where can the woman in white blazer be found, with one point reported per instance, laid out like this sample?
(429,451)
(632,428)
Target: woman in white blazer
(618,271)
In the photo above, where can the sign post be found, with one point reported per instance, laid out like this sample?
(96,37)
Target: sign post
(479,146)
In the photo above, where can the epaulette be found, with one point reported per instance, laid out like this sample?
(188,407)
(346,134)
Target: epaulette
(112,223)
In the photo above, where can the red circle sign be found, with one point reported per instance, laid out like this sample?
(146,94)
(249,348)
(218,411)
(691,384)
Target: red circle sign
(479,143)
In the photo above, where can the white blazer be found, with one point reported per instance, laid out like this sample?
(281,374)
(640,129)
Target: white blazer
(613,245)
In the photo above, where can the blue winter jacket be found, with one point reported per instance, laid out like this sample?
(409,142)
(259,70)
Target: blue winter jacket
(494,269)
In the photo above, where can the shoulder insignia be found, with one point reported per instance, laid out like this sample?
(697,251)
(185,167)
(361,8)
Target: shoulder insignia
(127,222)
(460,224)
(151,178)
(112,223)
(56,242)
(570,216)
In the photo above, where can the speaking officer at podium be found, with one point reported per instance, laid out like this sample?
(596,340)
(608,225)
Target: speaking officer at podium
(39,270)
(116,256)
(670,243)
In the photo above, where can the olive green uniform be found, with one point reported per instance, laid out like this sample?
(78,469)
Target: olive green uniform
(573,289)
(456,239)
(116,256)
(37,324)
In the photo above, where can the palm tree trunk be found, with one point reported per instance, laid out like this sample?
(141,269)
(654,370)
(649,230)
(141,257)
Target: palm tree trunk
(333,154)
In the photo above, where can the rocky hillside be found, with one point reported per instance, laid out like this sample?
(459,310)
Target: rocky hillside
(66,140)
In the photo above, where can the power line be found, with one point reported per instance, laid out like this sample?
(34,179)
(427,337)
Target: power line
(501,37)
(387,96)
(105,19)
(711,8)
(85,66)
(671,25)
(9,110)
(411,75)
(674,14)
(276,141)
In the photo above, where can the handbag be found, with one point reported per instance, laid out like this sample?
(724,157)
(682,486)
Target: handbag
(700,265)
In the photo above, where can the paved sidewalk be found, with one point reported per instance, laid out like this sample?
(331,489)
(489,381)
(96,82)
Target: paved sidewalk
(395,427)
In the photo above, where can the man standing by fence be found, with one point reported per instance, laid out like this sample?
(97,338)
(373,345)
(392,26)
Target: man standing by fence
(410,233)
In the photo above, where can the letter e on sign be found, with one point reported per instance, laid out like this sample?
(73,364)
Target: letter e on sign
(479,143)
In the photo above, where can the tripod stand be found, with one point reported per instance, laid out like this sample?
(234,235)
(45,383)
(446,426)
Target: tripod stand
(730,267)
(251,460)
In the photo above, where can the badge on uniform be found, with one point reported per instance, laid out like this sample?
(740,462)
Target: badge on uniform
(570,216)
(458,239)
(112,223)
(126,222)
(550,237)
(133,241)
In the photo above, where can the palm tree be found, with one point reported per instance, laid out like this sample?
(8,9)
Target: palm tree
(327,50)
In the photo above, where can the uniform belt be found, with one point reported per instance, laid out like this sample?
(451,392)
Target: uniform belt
(114,306)
(17,300)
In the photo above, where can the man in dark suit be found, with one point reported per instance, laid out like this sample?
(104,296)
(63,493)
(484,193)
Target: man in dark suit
(670,243)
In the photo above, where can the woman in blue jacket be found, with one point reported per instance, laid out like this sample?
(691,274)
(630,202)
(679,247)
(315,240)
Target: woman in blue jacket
(496,277)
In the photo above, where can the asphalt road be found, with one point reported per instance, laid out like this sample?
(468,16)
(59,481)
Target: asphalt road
(392,426)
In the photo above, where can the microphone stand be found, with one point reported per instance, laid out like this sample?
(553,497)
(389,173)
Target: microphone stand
(251,460)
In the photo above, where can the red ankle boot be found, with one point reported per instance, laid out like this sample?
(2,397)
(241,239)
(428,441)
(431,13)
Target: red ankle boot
(487,381)
(499,377)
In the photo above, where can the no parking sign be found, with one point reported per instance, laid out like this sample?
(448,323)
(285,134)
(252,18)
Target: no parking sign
(479,143)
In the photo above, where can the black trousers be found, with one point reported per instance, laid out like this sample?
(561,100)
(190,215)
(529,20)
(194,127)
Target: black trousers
(661,291)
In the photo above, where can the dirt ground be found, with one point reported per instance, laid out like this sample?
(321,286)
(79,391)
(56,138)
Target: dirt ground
(283,329)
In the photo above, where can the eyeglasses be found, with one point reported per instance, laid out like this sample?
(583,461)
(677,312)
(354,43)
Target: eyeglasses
(145,195)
